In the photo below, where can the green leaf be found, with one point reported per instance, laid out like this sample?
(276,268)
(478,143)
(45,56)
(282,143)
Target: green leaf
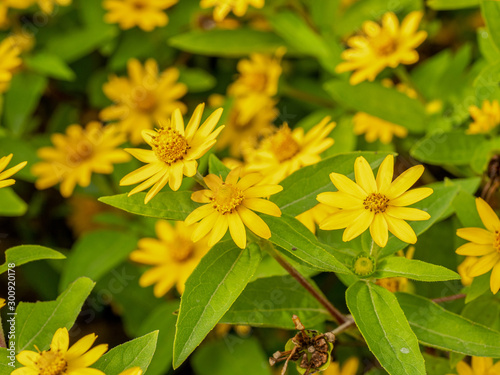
(385,328)
(37,322)
(453,148)
(490,10)
(216,167)
(480,285)
(413,269)
(50,65)
(465,208)
(212,288)
(137,352)
(487,47)
(485,311)
(22,150)
(95,254)
(442,329)
(452,4)
(11,204)
(7,365)
(302,187)
(294,238)
(379,101)
(436,365)
(227,43)
(175,205)
(196,79)
(482,155)
(271,301)
(28,253)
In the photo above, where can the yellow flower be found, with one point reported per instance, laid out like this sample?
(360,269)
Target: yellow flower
(485,243)
(480,366)
(143,100)
(230,204)
(146,14)
(2,302)
(377,204)
(381,47)
(4,161)
(375,128)
(15,4)
(286,151)
(464,269)
(350,367)
(174,152)
(173,256)
(486,118)
(60,360)
(315,215)
(397,284)
(223,7)
(47,6)
(401,87)
(9,61)
(132,371)
(77,155)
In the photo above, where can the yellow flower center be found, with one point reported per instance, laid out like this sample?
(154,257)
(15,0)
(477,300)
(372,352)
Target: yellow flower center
(364,265)
(376,203)
(144,100)
(183,250)
(227,198)
(51,363)
(283,146)
(79,153)
(255,82)
(496,243)
(384,44)
(169,145)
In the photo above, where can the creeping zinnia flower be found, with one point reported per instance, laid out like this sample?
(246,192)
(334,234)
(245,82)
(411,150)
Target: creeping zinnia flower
(146,14)
(174,152)
(382,46)
(173,256)
(479,366)
(78,154)
(60,360)
(230,204)
(485,243)
(4,161)
(9,61)
(144,99)
(375,128)
(350,367)
(47,6)
(377,204)
(223,7)
(486,118)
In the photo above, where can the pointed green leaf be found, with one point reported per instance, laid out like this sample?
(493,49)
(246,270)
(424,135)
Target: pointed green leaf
(196,79)
(28,253)
(490,10)
(385,328)
(11,204)
(212,288)
(413,269)
(480,285)
(50,65)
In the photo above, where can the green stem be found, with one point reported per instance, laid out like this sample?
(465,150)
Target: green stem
(199,179)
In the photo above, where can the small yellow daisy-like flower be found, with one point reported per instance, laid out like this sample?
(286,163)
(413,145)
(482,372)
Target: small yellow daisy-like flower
(61,360)
(286,151)
(4,161)
(315,215)
(78,154)
(223,7)
(382,46)
(377,204)
(47,6)
(9,61)
(480,366)
(173,256)
(174,152)
(375,128)
(144,99)
(485,118)
(350,367)
(146,14)
(230,204)
(485,243)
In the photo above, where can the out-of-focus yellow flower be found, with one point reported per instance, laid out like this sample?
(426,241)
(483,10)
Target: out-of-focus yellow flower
(78,154)
(48,5)
(485,118)
(484,243)
(401,87)
(60,360)
(146,14)
(315,215)
(9,61)
(350,367)
(286,151)
(174,152)
(480,366)
(83,211)
(230,204)
(14,4)
(397,284)
(382,46)
(132,371)
(377,204)
(375,128)
(144,99)
(173,256)
(23,39)
(223,7)
(464,269)
(5,174)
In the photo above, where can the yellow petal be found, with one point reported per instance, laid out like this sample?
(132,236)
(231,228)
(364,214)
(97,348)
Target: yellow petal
(142,173)
(364,175)
(201,196)
(249,180)
(146,156)
(11,171)
(262,205)
(404,181)
(195,120)
(237,230)
(90,357)
(401,229)
(175,177)
(233,176)
(25,371)
(218,231)
(464,369)
(484,264)
(385,173)
(407,213)
(379,230)
(488,216)
(495,279)
(213,182)
(350,366)
(340,219)
(205,226)
(477,235)
(358,226)
(28,358)
(156,188)
(473,249)
(199,213)
(254,222)
(340,199)
(80,347)
(60,340)
(346,185)
(411,196)
(481,365)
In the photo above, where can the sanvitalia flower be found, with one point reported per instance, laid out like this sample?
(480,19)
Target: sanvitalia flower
(144,99)
(286,151)
(463,270)
(77,154)
(480,366)
(173,256)
(350,367)
(223,7)
(48,5)
(61,360)
(230,204)
(146,14)
(4,175)
(382,46)
(375,128)
(484,243)
(9,61)
(174,152)
(315,215)
(485,118)
(377,204)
